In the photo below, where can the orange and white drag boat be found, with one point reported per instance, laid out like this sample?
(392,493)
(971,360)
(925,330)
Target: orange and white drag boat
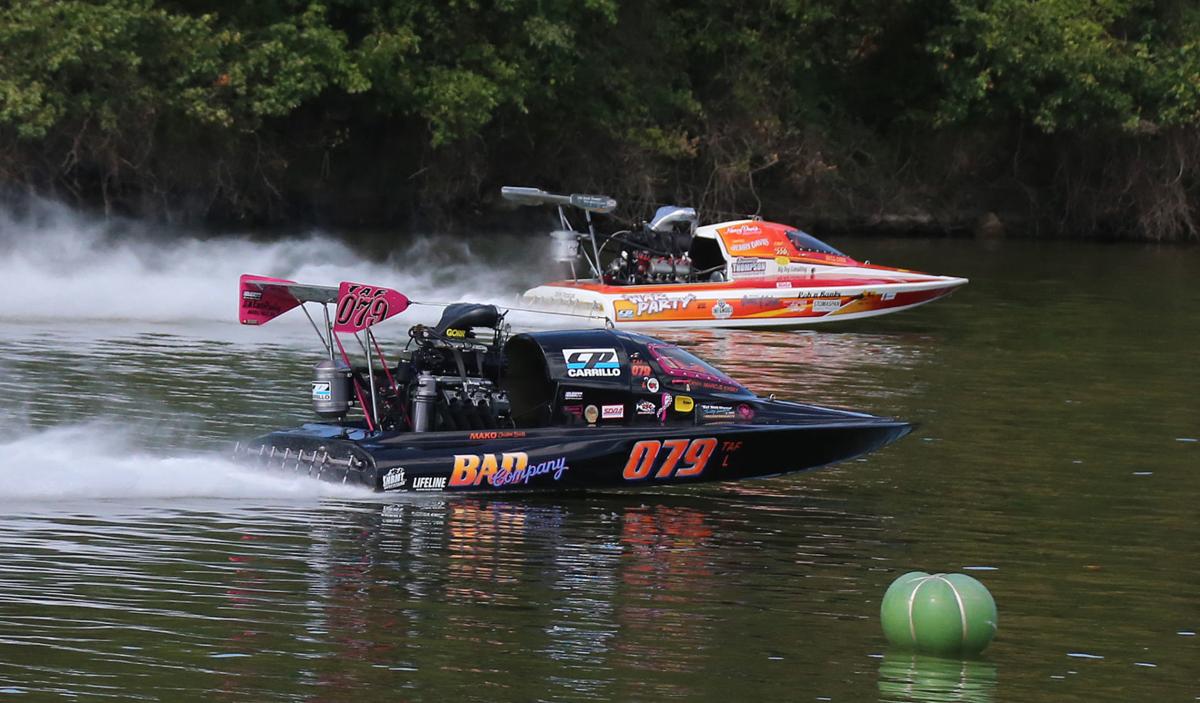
(741,273)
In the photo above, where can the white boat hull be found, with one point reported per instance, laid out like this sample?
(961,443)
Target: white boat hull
(760,303)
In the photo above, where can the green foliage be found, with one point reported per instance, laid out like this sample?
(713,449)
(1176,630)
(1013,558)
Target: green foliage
(662,94)
(1066,64)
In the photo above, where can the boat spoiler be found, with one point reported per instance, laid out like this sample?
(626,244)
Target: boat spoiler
(522,195)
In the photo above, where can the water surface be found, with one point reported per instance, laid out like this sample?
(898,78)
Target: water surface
(1056,460)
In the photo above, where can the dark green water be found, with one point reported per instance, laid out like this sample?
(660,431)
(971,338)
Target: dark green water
(1057,460)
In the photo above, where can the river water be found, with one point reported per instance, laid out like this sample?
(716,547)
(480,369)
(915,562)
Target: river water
(1057,460)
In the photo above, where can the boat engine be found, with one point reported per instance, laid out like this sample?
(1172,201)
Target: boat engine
(660,252)
(455,372)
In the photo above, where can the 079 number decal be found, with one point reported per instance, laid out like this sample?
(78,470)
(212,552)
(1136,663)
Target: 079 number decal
(678,458)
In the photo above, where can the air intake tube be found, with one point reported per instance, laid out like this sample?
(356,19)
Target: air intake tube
(423,401)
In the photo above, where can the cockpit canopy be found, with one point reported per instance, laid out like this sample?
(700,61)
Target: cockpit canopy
(803,241)
(547,369)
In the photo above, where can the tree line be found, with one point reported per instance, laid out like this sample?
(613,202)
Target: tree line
(1063,117)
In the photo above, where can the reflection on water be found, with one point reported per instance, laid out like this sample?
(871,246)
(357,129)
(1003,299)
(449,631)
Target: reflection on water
(608,598)
(916,678)
(815,366)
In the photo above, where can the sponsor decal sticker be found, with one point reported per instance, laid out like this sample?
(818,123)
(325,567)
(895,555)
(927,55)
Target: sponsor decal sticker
(748,268)
(782,261)
(717,412)
(555,467)
(743,229)
(497,434)
(591,414)
(745,412)
(890,295)
(640,368)
(429,483)
(760,301)
(655,303)
(576,410)
(684,404)
(722,310)
(652,384)
(251,295)
(666,404)
(592,363)
(393,479)
(825,305)
(502,469)
(625,314)
(783,284)
(747,246)
(645,407)
(321,391)
(613,412)
(573,395)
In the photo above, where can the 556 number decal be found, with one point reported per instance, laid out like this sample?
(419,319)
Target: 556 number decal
(669,458)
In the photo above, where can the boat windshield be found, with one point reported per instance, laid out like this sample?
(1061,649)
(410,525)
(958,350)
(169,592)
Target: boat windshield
(678,363)
(803,241)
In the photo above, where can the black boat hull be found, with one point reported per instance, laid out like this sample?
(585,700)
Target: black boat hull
(570,458)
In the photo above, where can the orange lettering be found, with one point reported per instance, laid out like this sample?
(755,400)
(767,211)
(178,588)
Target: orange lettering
(677,446)
(697,455)
(641,459)
(464,470)
(487,469)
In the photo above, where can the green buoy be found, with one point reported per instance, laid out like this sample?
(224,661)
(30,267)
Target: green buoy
(942,614)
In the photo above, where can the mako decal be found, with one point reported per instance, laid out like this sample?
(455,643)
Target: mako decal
(497,434)
(592,363)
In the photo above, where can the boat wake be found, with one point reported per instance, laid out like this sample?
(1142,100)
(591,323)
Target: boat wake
(59,265)
(91,461)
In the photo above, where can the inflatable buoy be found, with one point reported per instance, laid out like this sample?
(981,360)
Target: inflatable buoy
(943,614)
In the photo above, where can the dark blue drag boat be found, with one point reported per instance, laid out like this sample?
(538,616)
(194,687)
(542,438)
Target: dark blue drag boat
(466,407)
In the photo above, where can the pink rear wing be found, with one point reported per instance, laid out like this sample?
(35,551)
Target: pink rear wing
(262,298)
(359,306)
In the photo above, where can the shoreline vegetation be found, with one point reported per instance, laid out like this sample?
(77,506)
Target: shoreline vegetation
(1054,118)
